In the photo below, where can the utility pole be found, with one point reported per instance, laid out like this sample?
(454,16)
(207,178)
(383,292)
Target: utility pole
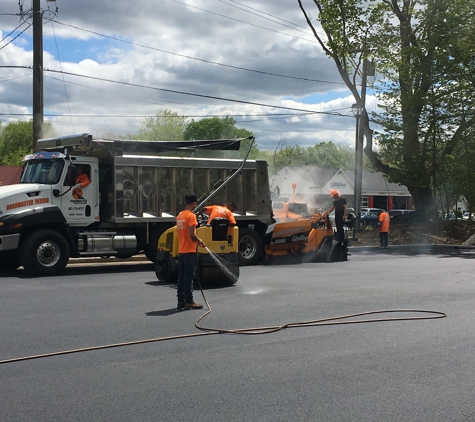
(359,110)
(38,113)
(359,147)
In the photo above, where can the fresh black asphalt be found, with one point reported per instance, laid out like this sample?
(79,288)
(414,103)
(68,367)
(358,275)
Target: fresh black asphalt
(416,370)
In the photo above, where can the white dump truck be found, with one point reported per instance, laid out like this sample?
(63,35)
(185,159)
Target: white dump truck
(85,197)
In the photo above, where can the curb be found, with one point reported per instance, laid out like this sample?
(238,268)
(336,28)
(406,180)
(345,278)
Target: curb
(111,260)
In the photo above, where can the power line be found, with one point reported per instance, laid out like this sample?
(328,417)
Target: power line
(197,59)
(241,21)
(13,39)
(6,36)
(283,115)
(331,113)
(291,24)
(190,94)
(61,67)
(119,94)
(11,78)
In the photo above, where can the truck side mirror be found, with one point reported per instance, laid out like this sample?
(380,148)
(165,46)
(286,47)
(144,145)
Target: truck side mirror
(56,193)
(70,176)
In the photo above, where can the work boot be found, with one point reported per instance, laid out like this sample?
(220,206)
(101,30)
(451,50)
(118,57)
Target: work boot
(180,305)
(193,306)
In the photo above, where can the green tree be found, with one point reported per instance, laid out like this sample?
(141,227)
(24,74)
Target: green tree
(165,126)
(214,128)
(324,155)
(219,128)
(16,139)
(330,155)
(419,47)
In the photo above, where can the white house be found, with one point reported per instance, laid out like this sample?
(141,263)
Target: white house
(313,185)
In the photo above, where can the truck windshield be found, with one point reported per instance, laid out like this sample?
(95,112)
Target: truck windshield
(42,171)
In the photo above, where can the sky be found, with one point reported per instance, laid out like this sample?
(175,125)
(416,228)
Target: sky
(108,65)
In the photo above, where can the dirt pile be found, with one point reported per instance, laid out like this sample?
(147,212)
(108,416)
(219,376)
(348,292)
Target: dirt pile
(432,233)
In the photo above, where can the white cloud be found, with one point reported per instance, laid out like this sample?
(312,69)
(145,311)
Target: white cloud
(183,38)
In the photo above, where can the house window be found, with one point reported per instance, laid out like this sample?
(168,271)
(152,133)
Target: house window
(364,201)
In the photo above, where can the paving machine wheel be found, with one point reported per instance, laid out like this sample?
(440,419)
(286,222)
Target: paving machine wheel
(209,273)
(164,269)
(152,246)
(222,271)
(218,265)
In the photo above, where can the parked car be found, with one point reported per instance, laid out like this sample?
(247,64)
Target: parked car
(447,216)
(466,216)
(395,212)
(374,210)
(369,219)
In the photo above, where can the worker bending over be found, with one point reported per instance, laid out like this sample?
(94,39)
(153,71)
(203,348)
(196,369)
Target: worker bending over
(218,211)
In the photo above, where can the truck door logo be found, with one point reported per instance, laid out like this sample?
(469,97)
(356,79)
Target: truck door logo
(77,193)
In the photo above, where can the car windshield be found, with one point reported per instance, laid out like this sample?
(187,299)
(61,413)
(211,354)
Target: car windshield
(42,171)
(369,214)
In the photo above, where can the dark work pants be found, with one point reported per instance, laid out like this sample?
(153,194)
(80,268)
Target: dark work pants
(186,272)
(383,239)
(339,228)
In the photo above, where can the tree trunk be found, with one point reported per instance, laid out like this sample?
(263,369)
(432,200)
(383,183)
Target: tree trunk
(423,199)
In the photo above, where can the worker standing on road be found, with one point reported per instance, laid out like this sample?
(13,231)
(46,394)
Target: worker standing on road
(187,240)
(218,211)
(384,220)
(341,208)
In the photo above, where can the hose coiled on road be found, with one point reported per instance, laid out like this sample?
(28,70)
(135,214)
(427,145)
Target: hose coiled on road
(206,331)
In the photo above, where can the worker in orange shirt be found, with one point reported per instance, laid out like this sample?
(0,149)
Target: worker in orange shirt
(218,211)
(187,241)
(82,180)
(384,220)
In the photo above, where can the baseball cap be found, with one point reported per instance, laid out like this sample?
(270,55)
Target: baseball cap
(190,197)
(334,192)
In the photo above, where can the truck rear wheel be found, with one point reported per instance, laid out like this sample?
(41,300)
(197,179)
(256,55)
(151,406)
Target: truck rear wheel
(250,247)
(44,252)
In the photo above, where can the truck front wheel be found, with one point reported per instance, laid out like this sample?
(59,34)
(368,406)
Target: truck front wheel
(44,252)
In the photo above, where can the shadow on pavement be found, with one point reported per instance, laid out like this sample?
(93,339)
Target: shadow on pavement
(85,269)
(165,312)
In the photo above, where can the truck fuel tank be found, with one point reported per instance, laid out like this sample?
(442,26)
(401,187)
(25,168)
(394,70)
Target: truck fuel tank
(109,243)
